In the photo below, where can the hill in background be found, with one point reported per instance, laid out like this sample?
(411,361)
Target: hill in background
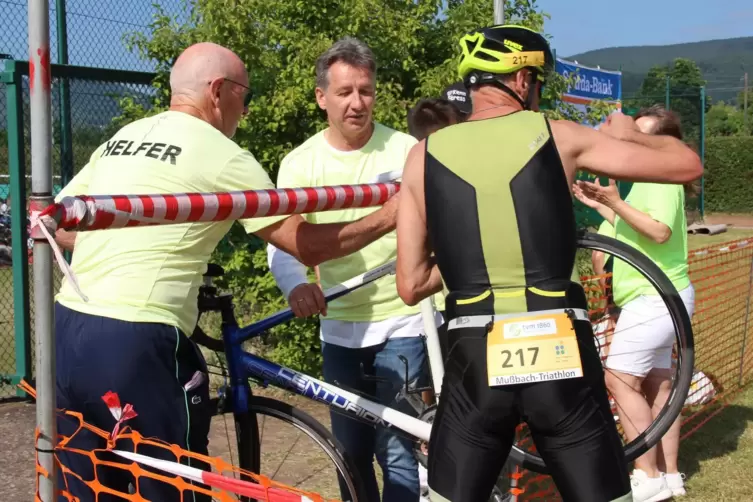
(723,63)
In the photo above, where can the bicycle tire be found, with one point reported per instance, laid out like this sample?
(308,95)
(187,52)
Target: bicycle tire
(249,452)
(685,353)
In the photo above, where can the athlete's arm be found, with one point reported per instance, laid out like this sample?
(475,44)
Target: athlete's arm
(312,244)
(417,275)
(635,156)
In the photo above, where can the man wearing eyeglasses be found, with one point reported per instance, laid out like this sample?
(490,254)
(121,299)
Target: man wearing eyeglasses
(142,282)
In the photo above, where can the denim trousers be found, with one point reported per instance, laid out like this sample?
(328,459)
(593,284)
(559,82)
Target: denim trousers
(342,367)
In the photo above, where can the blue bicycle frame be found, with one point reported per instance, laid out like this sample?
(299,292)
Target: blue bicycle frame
(243,366)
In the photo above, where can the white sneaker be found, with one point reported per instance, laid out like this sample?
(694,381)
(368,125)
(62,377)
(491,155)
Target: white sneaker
(647,489)
(676,483)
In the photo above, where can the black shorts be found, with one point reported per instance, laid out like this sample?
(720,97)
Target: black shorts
(570,421)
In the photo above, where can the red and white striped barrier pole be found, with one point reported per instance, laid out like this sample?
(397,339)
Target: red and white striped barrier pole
(97,212)
(117,211)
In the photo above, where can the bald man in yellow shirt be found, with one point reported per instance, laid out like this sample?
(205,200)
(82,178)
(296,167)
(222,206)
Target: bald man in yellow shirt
(142,282)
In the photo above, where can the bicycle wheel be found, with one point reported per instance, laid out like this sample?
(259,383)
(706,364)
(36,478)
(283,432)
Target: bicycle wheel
(265,421)
(684,350)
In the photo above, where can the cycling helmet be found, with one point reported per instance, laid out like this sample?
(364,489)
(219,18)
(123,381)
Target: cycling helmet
(503,49)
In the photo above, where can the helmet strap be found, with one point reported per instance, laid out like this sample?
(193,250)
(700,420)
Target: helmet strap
(493,79)
(531,90)
(504,87)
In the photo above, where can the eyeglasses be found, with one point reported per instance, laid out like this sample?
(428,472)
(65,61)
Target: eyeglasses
(249,95)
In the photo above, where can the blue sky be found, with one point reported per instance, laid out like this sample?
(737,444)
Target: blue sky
(96,28)
(581,25)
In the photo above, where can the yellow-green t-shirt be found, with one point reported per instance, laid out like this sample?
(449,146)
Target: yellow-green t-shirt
(606,229)
(666,204)
(152,274)
(317,163)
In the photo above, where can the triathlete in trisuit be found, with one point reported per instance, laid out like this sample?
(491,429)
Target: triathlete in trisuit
(486,206)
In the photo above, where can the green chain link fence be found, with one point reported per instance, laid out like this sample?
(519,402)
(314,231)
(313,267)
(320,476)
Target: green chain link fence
(96,71)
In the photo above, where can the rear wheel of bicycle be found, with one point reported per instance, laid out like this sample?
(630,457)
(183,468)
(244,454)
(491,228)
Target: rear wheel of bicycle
(267,436)
(684,350)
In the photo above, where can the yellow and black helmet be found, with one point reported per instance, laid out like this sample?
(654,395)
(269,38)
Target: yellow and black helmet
(502,49)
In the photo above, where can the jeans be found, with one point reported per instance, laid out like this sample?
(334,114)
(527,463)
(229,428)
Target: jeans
(342,367)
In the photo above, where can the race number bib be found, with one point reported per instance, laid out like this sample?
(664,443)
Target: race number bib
(532,349)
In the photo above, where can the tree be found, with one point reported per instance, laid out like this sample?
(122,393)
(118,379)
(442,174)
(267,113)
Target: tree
(685,82)
(416,44)
(724,120)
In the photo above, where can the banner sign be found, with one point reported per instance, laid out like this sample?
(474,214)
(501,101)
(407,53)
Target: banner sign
(590,83)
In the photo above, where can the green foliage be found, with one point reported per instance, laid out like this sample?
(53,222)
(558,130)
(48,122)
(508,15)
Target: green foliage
(728,181)
(685,82)
(416,45)
(724,120)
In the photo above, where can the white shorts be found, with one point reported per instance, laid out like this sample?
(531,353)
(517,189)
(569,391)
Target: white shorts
(645,335)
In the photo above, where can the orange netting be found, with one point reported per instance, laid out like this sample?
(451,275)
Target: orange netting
(129,440)
(722,276)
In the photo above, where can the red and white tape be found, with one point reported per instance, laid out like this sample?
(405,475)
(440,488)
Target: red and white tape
(98,212)
(724,249)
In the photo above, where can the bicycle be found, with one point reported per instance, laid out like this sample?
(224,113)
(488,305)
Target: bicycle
(237,398)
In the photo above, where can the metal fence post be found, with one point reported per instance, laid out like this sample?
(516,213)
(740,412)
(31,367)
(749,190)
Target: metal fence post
(499,11)
(703,147)
(13,79)
(40,81)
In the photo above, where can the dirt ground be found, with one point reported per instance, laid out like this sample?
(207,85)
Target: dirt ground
(17,420)
(733,220)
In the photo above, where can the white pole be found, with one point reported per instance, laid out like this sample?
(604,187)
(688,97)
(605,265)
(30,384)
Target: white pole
(433,349)
(499,11)
(40,81)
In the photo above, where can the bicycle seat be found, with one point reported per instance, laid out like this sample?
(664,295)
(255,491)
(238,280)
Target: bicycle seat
(214,270)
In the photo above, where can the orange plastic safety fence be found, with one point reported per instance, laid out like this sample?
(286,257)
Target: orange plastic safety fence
(722,276)
(131,441)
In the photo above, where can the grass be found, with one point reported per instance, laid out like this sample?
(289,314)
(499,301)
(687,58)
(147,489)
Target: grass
(718,460)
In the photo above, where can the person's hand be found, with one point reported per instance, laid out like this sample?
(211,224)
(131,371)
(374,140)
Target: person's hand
(619,126)
(595,194)
(583,199)
(307,300)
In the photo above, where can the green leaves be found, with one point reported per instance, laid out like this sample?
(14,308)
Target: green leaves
(685,82)
(728,183)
